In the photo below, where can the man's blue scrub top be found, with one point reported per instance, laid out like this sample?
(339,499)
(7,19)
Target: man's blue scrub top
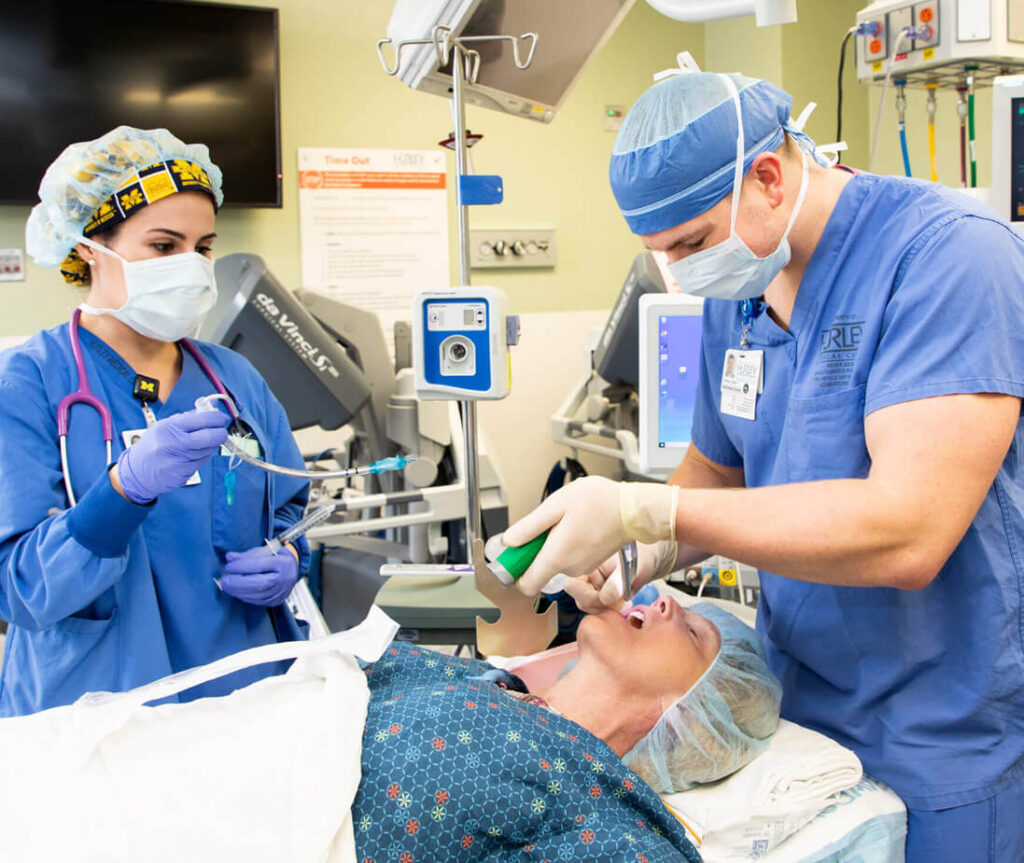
(110,595)
(913,291)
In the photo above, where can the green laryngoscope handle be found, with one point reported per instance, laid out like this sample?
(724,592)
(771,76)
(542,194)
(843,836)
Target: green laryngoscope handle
(517,559)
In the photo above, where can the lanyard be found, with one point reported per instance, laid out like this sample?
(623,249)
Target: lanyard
(749,309)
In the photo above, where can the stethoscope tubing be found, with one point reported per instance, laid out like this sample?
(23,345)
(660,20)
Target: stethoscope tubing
(84,395)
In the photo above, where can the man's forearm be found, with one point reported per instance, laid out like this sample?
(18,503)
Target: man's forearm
(848,532)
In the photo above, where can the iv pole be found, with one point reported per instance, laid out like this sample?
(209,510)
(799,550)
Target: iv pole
(465,68)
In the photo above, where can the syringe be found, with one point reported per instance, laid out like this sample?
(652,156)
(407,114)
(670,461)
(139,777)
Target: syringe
(304,524)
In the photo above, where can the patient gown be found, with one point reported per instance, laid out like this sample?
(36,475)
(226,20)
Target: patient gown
(456,769)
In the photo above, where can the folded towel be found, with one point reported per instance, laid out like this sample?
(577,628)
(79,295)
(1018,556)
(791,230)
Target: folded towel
(744,816)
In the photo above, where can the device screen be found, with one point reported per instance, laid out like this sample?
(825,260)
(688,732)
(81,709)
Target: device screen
(678,374)
(1017,155)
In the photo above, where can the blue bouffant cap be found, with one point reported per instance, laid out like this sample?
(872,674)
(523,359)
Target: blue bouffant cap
(675,155)
(721,723)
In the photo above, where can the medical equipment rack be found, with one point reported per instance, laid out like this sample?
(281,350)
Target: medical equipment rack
(465,65)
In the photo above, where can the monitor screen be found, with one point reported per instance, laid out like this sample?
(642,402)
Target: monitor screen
(208,72)
(569,33)
(678,373)
(1017,157)
(670,357)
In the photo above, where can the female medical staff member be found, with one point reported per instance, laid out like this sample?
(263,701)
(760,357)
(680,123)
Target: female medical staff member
(874,470)
(109,569)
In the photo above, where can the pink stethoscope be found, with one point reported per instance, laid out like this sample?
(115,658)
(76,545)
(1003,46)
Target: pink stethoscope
(84,395)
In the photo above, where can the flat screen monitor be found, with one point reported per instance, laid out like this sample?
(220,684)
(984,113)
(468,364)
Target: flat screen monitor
(670,349)
(569,34)
(208,72)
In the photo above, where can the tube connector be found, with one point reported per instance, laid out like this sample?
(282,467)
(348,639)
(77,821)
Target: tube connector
(901,98)
(868,28)
(397,462)
(931,87)
(961,104)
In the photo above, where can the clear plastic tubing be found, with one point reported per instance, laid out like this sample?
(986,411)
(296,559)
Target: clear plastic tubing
(206,403)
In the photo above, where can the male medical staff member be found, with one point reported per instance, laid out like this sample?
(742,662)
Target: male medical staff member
(877,479)
(109,568)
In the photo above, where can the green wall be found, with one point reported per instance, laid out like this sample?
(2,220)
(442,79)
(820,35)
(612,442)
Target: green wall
(334,94)
(803,59)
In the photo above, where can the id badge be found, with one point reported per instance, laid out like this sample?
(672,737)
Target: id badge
(131,436)
(742,381)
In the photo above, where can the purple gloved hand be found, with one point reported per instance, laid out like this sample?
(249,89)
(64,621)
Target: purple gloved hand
(260,577)
(169,452)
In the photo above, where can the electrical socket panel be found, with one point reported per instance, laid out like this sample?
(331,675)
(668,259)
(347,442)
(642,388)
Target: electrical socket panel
(927,14)
(876,47)
(12,265)
(899,19)
(512,248)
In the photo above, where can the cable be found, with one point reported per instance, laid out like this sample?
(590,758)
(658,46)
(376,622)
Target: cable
(901,114)
(904,33)
(931,87)
(865,28)
(839,89)
(970,124)
(961,110)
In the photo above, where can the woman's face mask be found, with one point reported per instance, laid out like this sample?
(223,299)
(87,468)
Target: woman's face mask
(729,270)
(168,296)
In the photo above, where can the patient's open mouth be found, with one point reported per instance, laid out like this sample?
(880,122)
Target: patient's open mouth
(635,616)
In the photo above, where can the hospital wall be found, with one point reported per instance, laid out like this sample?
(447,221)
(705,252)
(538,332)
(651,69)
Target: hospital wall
(333,93)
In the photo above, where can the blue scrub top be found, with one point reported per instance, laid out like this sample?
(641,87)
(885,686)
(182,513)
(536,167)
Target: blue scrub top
(111,595)
(913,291)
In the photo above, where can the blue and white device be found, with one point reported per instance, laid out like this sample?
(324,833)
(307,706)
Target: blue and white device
(460,340)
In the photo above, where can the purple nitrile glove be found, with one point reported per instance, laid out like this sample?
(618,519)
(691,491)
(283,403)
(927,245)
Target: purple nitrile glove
(260,577)
(169,452)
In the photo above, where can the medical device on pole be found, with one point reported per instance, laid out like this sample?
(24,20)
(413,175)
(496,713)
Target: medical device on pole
(461,338)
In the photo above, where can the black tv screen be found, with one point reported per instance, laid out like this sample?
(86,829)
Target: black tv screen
(73,71)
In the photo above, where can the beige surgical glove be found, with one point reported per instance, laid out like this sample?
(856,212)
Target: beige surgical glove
(599,590)
(589,520)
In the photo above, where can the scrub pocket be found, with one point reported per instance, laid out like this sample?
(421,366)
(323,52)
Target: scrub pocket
(824,437)
(82,655)
(239,505)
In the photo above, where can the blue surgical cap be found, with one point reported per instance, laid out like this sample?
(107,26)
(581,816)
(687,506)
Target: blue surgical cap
(721,723)
(675,155)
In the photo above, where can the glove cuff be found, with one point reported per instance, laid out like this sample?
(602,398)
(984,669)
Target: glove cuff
(648,511)
(128,482)
(665,554)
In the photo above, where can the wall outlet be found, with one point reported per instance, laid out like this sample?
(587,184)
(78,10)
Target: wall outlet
(12,265)
(512,247)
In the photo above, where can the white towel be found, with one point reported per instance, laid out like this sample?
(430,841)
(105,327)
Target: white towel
(266,773)
(747,814)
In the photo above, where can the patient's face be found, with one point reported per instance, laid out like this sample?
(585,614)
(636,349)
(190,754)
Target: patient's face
(661,656)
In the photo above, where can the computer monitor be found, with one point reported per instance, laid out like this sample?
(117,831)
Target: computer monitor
(569,34)
(615,356)
(670,347)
